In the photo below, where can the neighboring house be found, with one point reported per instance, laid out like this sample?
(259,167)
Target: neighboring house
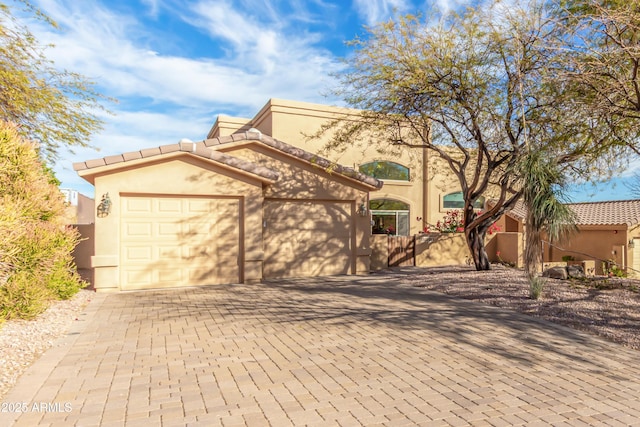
(80,208)
(607,232)
(229,209)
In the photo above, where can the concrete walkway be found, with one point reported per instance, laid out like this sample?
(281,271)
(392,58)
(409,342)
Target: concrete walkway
(331,352)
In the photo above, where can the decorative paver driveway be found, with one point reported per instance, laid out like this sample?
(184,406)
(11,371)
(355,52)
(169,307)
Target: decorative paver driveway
(322,352)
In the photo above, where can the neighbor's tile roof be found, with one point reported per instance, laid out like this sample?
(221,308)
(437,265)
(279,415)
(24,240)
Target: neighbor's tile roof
(615,212)
(519,211)
(607,213)
(206,149)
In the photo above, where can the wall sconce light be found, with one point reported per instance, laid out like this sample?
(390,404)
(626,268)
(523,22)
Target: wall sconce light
(362,210)
(631,244)
(104,208)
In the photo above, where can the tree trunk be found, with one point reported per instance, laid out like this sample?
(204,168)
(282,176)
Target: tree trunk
(475,241)
(532,250)
(475,238)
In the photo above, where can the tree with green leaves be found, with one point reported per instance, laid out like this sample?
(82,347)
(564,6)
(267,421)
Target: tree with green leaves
(56,108)
(480,90)
(603,62)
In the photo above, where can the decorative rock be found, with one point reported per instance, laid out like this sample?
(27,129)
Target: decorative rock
(575,271)
(556,273)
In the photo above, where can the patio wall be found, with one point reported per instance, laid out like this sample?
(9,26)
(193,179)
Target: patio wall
(84,251)
(437,249)
(506,247)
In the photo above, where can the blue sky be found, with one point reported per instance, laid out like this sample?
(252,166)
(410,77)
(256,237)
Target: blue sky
(175,65)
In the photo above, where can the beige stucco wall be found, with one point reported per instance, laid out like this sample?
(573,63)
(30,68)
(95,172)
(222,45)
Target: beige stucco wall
(594,243)
(83,252)
(506,247)
(227,125)
(181,174)
(439,249)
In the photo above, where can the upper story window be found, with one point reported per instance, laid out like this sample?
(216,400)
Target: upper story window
(456,201)
(386,170)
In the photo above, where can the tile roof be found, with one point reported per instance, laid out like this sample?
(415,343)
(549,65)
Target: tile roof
(296,152)
(615,212)
(207,149)
(188,147)
(607,213)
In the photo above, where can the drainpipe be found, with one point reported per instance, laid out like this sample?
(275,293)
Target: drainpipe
(426,213)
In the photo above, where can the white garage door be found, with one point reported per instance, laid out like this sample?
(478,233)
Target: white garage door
(178,241)
(307,238)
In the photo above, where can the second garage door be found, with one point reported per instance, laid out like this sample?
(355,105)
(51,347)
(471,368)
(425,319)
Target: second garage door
(307,238)
(178,241)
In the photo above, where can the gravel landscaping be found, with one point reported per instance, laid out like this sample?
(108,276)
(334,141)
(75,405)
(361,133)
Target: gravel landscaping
(23,341)
(609,308)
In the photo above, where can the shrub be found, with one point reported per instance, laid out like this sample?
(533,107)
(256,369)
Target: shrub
(35,246)
(451,223)
(536,285)
(20,298)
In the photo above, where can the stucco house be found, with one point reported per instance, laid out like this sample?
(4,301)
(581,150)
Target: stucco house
(254,200)
(607,232)
(229,209)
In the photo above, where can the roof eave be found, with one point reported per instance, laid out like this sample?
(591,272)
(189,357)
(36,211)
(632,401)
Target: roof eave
(89,172)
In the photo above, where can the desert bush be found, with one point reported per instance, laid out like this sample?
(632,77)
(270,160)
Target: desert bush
(536,285)
(35,245)
(22,299)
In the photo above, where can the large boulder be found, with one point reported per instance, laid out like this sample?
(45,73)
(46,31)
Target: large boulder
(575,271)
(556,273)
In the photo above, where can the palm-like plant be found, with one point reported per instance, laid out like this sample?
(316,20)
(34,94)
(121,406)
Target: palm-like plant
(543,194)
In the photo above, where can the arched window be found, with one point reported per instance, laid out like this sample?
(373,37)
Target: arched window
(385,170)
(456,201)
(389,217)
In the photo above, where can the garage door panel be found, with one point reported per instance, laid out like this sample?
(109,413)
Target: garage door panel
(194,253)
(307,238)
(138,253)
(199,205)
(168,229)
(199,230)
(169,275)
(138,230)
(170,206)
(225,268)
(138,277)
(174,241)
(169,253)
(137,205)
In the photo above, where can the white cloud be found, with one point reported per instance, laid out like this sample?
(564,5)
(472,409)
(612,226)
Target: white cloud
(182,94)
(375,11)
(133,131)
(101,45)
(448,5)
(153,5)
